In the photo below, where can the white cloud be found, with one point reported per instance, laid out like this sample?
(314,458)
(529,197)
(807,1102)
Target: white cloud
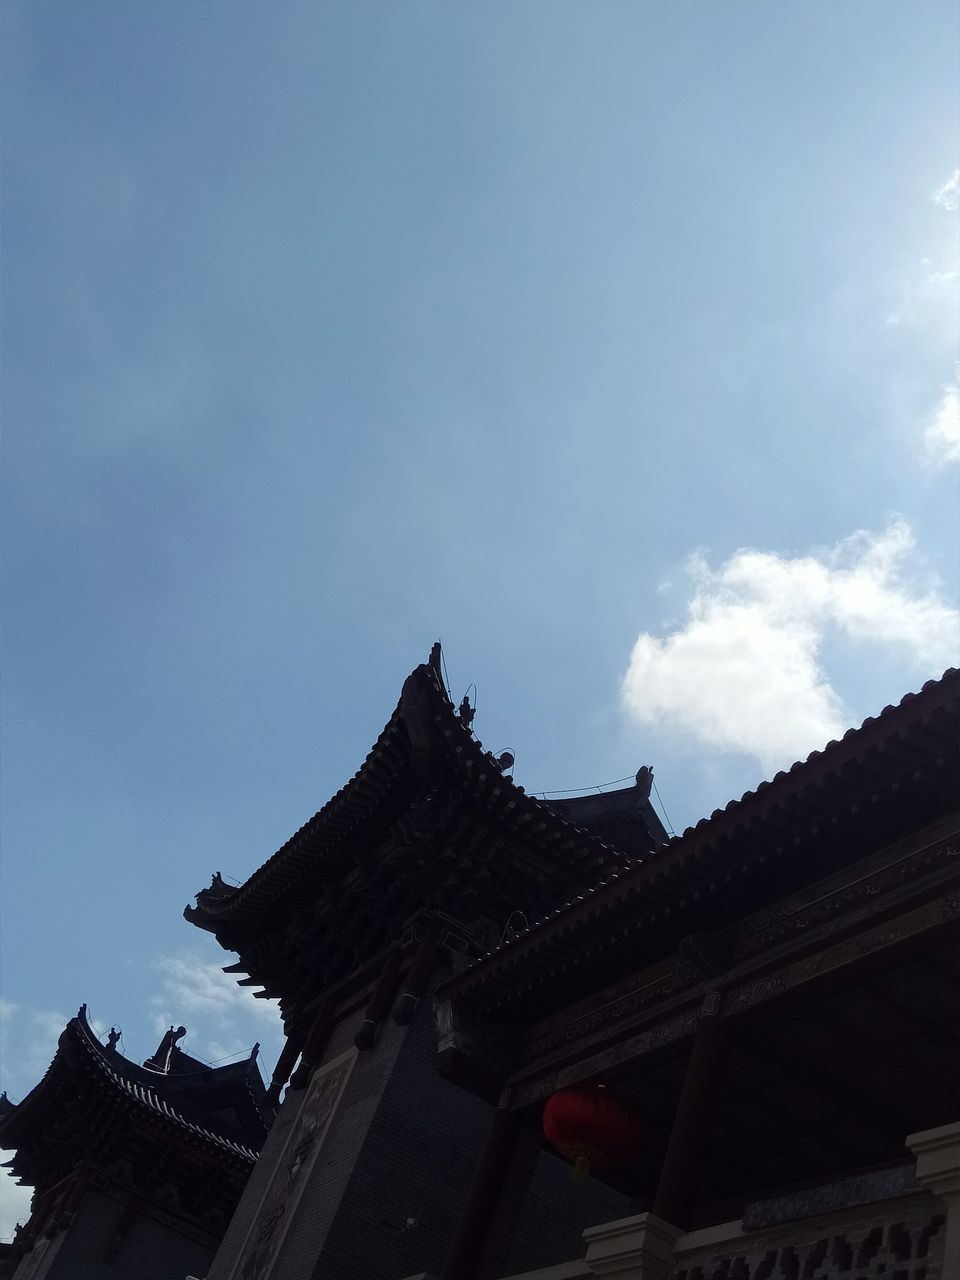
(14,1201)
(745,673)
(219,1050)
(220,1016)
(8,1011)
(948,196)
(29,1041)
(43,1030)
(942,433)
(929,296)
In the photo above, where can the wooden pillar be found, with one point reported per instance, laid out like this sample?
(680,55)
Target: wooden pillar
(469,1242)
(313,1046)
(285,1064)
(693,1119)
(510,1202)
(71,1202)
(131,1211)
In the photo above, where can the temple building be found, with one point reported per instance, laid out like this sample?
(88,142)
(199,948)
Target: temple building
(430,856)
(751,1033)
(540,1040)
(136,1169)
(748,1031)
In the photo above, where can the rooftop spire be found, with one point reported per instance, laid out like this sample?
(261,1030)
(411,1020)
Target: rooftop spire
(163,1058)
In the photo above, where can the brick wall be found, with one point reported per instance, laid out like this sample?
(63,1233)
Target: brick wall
(556,1211)
(345,1144)
(404,1144)
(253,1193)
(418,1162)
(153,1248)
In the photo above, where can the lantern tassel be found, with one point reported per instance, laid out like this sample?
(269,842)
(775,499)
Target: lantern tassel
(581,1169)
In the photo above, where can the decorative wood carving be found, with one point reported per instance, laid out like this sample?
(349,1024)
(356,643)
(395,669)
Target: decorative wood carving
(833,905)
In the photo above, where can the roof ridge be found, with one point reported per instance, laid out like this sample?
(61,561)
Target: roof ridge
(467,754)
(887,714)
(80,1026)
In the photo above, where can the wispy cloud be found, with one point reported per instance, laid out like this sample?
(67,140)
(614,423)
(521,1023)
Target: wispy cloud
(222,1018)
(928,296)
(745,670)
(947,196)
(46,1026)
(928,299)
(14,1201)
(942,432)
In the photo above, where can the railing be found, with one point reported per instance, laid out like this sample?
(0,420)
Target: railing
(897,1240)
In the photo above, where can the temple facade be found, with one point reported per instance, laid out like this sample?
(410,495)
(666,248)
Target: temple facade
(767,1007)
(746,1035)
(136,1169)
(429,857)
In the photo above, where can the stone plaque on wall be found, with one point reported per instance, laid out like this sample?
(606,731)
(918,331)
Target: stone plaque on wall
(268,1229)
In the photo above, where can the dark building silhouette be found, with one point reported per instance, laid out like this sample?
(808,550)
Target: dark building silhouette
(771,996)
(425,860)
(136,1170)
(771,1002)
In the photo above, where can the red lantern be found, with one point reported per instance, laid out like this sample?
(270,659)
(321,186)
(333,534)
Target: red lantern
(590,1128)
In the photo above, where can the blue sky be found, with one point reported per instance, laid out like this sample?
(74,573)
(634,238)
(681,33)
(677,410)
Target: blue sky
(615,344)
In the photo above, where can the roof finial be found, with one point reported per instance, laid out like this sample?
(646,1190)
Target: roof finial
(434,659)
(161,1060)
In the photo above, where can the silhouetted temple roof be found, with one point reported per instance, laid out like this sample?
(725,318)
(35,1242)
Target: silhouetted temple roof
(742,852)
(221,1109)
(424,741)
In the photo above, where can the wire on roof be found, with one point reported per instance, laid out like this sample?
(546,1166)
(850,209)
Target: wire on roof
(596,786)
(665,814)
(446,674)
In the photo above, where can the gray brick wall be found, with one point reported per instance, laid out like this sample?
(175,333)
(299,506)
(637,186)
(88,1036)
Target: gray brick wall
(153,1248)
(236,1232)
(549,1227)
(418,1162)
(404,1144)
(346,1143)
(151,1251)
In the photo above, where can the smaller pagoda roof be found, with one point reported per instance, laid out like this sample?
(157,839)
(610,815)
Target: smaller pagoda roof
(222,1109)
